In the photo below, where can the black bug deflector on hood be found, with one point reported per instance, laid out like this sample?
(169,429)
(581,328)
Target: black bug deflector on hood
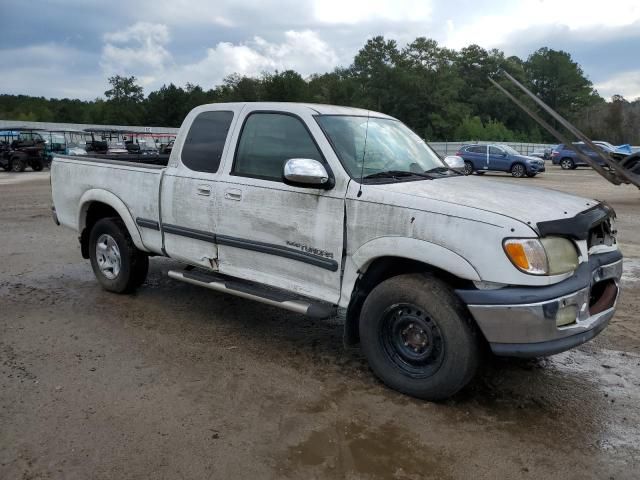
(578,227)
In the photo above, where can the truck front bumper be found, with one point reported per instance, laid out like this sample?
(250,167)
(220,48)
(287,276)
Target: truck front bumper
(539,321)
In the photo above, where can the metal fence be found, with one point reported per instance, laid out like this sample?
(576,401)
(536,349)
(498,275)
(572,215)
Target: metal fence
(82,126)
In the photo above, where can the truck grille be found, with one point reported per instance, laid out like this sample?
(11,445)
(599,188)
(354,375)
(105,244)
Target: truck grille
(603,233)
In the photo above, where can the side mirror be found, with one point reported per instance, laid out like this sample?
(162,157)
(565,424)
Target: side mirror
(454,162)
(306,172)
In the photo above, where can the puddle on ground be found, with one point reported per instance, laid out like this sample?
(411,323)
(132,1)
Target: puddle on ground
(631,270)
(617,375)
(351,450)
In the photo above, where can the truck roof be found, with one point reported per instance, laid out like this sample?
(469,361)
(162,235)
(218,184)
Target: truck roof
(317,108)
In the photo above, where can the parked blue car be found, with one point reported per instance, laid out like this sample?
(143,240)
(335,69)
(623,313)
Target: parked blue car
(568,159)
(499,158)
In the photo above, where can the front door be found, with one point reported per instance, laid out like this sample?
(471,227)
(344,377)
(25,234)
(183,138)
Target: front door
(498,159)
(273,233)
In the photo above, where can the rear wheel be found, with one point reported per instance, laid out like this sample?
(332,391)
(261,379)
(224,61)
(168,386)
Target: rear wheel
(567,164)
(518,170)
(117,264)
(468,168)
(418,338)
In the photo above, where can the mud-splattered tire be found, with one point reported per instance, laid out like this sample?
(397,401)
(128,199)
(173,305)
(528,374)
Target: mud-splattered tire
(418,337)
(117,264)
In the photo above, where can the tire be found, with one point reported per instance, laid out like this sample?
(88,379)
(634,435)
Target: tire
(567,164)
(18,165)
(468,168)
(531,175)
(37,166)
(117,264)
(518,170)
(420,309)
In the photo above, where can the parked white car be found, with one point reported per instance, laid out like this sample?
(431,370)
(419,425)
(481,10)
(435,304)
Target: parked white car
(316,208)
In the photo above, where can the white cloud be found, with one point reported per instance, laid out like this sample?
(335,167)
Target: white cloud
(302,51)
(137,50)
(625,83)
(357,11)
(496,29)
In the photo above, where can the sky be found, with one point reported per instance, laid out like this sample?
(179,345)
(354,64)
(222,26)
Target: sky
(68,48)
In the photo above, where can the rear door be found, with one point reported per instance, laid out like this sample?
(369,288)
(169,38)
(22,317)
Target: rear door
(480,158)
(189,201)
(270,232)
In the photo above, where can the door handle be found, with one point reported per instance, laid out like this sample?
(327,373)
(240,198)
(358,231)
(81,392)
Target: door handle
(233,194)
(204,190)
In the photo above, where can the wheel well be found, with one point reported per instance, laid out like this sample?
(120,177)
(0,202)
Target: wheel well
(96,211)
(382,269)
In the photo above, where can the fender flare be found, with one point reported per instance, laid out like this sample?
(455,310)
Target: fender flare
(414,249)
(108,198)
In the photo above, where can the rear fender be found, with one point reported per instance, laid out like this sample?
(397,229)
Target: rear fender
(108,198)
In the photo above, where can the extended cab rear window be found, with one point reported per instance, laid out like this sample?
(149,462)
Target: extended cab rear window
(202,150)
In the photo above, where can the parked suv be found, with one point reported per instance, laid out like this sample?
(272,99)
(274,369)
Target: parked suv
(568,159)
(499,158)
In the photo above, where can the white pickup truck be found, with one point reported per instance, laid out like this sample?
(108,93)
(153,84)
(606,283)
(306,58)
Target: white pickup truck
(319,209)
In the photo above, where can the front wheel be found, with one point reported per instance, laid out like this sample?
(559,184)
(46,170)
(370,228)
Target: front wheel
(18,165)
(117,264)
(418,338)
(518,170)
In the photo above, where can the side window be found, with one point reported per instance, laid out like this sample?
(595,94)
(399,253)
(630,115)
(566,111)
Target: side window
(478,149)
(202,149)
(495,151)
(267,141)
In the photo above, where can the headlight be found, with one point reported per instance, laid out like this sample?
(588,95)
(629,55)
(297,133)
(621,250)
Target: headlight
(543,256)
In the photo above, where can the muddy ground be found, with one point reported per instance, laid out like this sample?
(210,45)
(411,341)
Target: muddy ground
(178,382)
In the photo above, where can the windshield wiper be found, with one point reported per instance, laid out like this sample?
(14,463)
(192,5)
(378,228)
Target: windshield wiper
(397,174)
(442,170)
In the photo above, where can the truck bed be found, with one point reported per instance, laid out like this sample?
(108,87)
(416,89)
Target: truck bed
(79,181)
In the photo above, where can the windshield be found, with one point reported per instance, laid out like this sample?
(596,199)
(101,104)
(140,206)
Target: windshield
(390,145)
(509,150)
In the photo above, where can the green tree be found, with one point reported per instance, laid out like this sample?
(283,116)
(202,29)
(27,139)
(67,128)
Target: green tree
(124,101)
(560,82)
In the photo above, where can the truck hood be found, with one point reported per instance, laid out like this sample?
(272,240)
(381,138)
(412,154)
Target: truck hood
(521,202)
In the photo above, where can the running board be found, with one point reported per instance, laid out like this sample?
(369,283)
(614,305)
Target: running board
(257,292)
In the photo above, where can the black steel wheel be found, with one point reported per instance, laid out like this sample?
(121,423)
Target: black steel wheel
(412,340)
(418,337)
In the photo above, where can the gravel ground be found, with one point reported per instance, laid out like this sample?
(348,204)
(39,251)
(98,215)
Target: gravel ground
(177,382)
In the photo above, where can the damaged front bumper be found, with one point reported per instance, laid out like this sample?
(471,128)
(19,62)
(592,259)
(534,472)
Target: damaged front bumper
(539,321)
